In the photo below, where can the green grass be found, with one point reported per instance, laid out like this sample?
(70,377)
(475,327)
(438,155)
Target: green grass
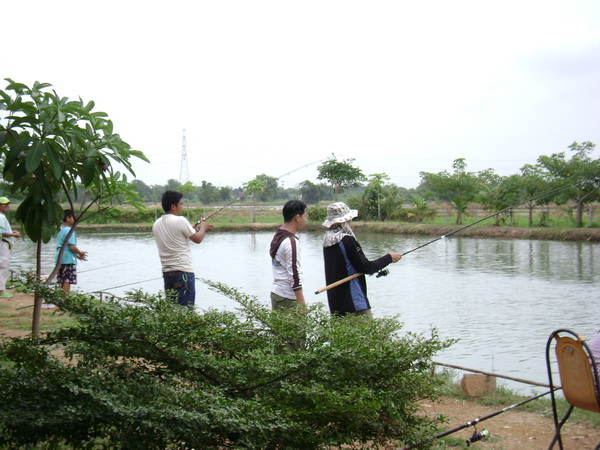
(519,222)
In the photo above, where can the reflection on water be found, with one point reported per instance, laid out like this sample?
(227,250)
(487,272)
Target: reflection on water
(501,298)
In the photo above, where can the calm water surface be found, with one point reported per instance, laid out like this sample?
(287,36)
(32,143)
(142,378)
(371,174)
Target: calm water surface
(501,298)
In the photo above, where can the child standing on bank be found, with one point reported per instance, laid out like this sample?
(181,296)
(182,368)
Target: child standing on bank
(67,274)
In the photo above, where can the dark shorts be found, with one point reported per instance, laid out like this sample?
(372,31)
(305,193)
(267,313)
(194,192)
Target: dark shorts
(67,274)
(181,286)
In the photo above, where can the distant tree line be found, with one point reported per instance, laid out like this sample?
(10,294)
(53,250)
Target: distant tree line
(268,189)
(555,179)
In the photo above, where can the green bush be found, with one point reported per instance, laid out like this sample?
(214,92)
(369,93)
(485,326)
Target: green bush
(317,213)
(152,374)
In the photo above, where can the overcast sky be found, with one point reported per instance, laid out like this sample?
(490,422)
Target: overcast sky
(276,86)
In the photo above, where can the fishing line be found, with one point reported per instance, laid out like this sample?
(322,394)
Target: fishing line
(596,182)
(104,267)
(129,284)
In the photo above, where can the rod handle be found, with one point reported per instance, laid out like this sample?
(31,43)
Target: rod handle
(337,283)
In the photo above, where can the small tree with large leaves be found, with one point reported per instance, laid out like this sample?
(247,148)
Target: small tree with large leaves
(50,145)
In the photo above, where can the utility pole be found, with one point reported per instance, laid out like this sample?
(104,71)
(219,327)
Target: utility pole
(184,176)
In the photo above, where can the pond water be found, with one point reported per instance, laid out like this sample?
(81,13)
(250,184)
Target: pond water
(501,298)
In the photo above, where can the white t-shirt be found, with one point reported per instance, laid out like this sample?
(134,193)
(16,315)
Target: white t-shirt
(287,267)
(172,234)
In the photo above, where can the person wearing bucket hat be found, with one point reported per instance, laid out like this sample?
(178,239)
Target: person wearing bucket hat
(8,236)
(343,257)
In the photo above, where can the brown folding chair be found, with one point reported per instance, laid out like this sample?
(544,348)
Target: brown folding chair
(578,375)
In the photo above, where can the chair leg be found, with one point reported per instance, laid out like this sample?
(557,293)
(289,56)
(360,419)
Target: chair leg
(557,437)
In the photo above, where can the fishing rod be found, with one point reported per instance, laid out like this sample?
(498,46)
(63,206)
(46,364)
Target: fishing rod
(484,433)
(241,196)
(596,181)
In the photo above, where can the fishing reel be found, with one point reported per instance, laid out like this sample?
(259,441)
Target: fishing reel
(483,434)
(382,273)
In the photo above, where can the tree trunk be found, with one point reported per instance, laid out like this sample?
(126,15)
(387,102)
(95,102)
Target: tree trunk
(579,214)
(37,303)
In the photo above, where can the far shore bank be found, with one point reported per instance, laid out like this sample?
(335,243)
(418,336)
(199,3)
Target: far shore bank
(541,233)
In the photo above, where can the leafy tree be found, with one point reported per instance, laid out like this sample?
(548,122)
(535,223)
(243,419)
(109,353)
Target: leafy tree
(225,193)
(533,182)
(172,185)
(207,193)
(374,193)
(51,144)
(269,190)
(500,193)
(340,174)
(421,208)
(311,193)
(460,187)
(579,172)
(144,190)
(254,188)
(391,203)
(187,189)
(379,200)
(157,192)
(152,374)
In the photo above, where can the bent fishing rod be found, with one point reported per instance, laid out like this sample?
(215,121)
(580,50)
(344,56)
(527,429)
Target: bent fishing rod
(550,192)
(244,194)
(241,196)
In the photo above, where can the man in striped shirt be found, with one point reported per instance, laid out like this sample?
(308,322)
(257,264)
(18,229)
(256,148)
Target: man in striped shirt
(286,291)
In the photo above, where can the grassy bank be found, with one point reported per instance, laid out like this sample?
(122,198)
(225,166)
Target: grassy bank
(504,232)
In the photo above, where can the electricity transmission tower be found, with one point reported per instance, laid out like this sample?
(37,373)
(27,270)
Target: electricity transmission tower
(183,170)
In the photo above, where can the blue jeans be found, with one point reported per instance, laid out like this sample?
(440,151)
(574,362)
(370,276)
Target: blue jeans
(182,287)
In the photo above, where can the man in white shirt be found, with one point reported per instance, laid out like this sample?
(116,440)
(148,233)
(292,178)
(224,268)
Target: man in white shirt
(286,291)
(172,233)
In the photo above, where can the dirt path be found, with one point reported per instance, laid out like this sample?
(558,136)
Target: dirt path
(513,429)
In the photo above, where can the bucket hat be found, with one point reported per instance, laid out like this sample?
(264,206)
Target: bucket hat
(4,201)
(339,212)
